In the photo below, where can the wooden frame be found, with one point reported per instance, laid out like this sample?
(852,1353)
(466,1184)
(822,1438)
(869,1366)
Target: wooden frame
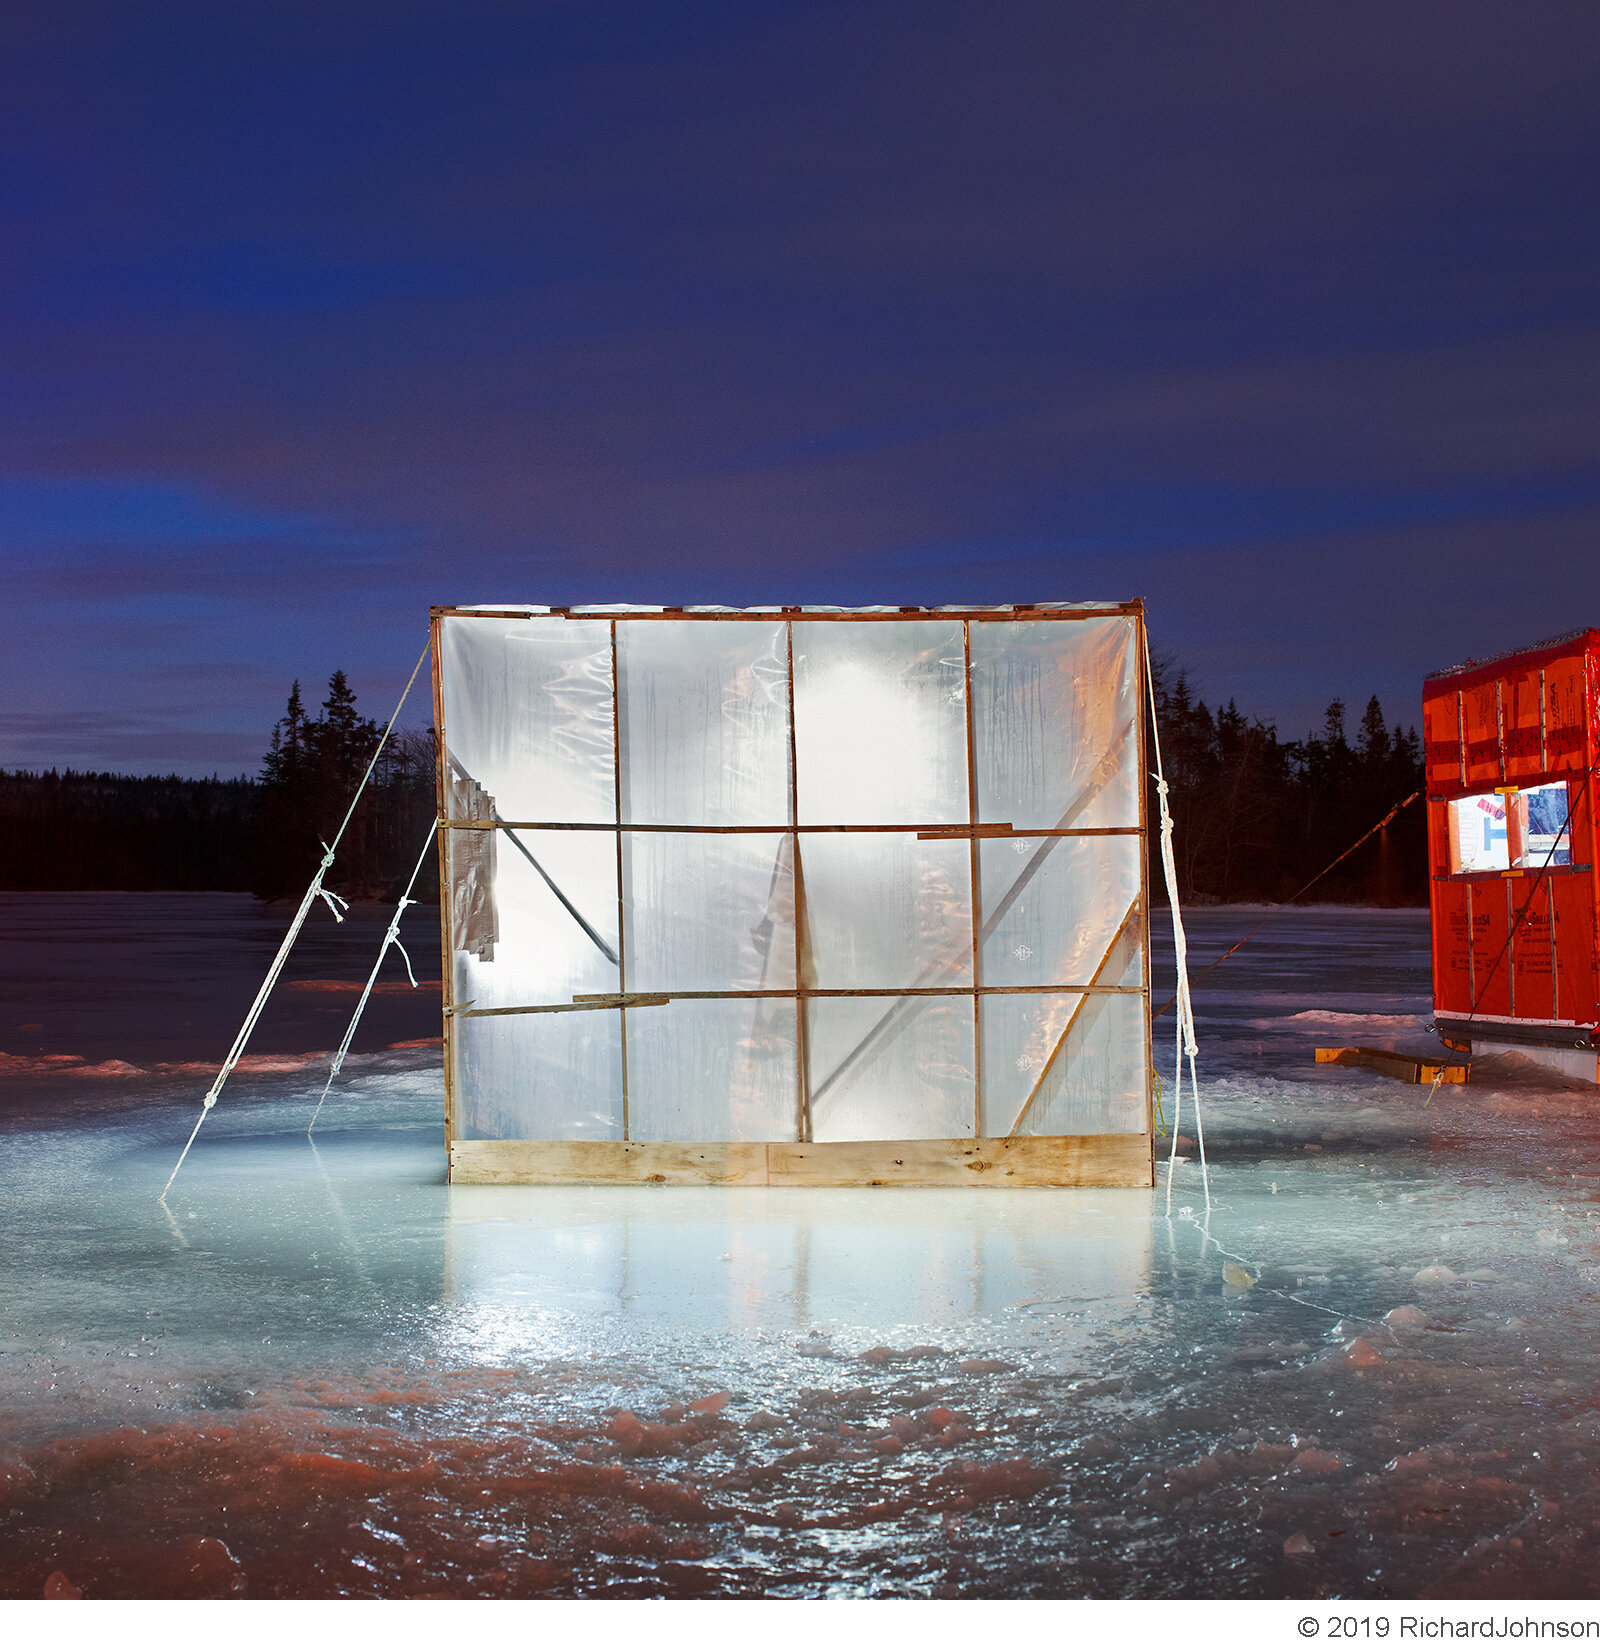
(983,1159)
(1033,1160)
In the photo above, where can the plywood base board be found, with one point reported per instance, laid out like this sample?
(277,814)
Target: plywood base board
(1053,1160)
(1406,1068)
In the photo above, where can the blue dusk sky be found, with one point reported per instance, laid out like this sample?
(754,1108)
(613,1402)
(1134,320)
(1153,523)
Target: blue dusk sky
(1281,316)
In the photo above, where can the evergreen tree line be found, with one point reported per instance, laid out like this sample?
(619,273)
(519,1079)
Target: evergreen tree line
(69,830)
(311,770)
(1256,816)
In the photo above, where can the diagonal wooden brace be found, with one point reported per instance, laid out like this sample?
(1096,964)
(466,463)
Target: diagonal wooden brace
(1072,1020)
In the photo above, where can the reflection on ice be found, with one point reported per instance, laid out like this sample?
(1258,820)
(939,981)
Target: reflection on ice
(321,1370)
(782,1261)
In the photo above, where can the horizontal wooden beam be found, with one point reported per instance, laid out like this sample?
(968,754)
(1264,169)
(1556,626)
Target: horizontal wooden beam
(654,999)
(799,615)
(964,833)
(1052,1160)
(923,833)
(615,999)
(1406,1068)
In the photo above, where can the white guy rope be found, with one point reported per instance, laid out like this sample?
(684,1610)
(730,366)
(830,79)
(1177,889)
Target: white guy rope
(1187,1047)
(313,893)
(392,937)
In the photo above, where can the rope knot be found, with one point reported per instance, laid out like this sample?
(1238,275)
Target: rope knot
(334,903)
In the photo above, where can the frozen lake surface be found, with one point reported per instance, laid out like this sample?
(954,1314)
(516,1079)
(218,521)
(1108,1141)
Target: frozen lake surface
(318,1370)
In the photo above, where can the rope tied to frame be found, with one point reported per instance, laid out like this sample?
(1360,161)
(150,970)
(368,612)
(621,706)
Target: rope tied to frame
(312,894)
(1187,1046)
(1397,808)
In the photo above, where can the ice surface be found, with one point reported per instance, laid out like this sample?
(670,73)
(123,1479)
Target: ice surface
(320,1370)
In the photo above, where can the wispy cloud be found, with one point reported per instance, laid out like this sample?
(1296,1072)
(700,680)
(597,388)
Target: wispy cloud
(315,314)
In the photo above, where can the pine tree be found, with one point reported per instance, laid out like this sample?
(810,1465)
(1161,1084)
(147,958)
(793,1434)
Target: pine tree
(345,739)
(286,755)
(1372,743)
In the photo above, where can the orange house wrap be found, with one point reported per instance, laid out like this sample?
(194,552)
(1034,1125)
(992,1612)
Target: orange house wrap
(1511,746)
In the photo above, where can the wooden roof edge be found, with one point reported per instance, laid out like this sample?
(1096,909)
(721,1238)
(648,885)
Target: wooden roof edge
(1498,664)
(1064,610)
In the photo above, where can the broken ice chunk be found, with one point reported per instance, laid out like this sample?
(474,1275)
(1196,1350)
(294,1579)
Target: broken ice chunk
(1435,1277)
(1298,1546)
(1235,1276)
(1407,1317)
(1357,1354)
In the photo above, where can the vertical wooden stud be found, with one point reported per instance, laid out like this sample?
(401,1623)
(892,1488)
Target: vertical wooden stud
(976,911)
(1511,949)
(622,914)
(447,968)
(1500,725)
(802,1028)
(1146,719)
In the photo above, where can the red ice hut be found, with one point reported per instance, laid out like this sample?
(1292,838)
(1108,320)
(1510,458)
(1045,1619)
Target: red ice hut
(1512,746)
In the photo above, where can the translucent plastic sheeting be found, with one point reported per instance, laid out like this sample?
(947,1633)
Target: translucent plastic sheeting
(528,714)
(697,736)
(704,718)
(713,1069)
(709,913)
(1055,722)
(539,1076)
(543,954)
(1094,1085)
(880,723)
(1054,904)
(891,1068)
(884,909)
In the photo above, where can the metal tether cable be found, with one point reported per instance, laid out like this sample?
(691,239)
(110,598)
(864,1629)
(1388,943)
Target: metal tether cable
(1296,894)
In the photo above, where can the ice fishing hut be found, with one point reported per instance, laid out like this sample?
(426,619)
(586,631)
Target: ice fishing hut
(1511,747)
(807,896)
